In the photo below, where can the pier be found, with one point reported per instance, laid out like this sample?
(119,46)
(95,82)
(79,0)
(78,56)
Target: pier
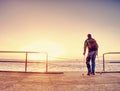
(69,81)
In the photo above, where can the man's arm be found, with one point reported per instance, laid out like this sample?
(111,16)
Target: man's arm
(85,46)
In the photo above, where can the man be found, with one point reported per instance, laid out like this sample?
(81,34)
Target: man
(92,47)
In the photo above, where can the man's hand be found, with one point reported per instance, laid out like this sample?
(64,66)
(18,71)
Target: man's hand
(97,53)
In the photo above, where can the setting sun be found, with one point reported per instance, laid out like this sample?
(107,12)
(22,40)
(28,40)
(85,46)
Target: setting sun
(53,50)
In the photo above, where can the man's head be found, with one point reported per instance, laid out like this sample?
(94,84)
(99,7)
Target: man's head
(89,36)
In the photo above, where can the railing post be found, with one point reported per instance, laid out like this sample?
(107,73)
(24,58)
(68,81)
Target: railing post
(46,62)
(103,62)
(26,62)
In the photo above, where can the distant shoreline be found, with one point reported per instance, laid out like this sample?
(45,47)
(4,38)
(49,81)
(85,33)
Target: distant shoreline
(51,61)
(115,62)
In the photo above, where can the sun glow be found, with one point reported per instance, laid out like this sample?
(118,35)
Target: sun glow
(53,50)
(37,56)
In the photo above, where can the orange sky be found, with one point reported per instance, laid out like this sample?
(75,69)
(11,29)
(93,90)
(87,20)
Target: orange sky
(59,26)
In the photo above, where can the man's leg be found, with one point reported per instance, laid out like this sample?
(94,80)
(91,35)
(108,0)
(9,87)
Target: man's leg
(88,65)
(93,64)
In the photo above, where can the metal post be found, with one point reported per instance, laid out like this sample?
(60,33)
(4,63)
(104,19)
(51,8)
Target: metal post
(46,62)
(103,62)
(26,62)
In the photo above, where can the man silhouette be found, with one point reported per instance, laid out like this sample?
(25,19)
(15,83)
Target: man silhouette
(92,47)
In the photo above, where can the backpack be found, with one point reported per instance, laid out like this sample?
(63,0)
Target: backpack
(92,44)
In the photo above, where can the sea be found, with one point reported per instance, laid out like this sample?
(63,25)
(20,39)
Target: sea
(56,65)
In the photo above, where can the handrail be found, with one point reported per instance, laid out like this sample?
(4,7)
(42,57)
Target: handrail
(104,58)
(112,53)
(26,57)
(20,52)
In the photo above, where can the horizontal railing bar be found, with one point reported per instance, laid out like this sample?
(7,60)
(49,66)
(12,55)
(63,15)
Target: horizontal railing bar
(20,52)
(112,53)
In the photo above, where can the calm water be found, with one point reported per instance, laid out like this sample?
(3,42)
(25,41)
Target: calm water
(58,66)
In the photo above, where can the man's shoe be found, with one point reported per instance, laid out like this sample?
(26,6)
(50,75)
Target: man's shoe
(93,73)
(88,74)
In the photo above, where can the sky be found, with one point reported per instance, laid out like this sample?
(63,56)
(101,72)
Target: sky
(59,27)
